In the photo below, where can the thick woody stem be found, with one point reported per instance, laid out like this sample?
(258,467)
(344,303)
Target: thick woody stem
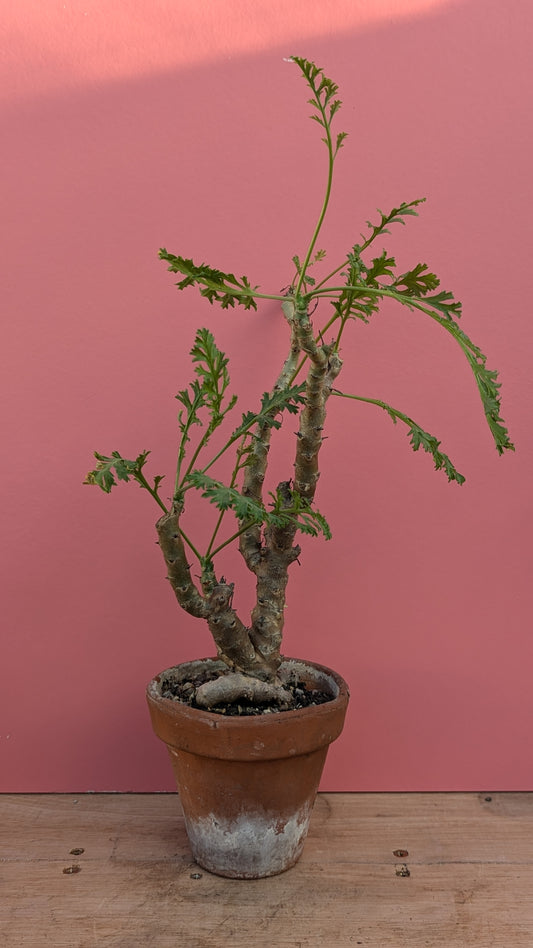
(231,636)
(269,555)
(325,367)
(179,571)
(254,475)
(278,551)
(254,472)
(276,556)
(237,687)
(306,469)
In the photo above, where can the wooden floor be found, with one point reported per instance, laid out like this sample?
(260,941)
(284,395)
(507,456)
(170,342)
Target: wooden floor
(114,870)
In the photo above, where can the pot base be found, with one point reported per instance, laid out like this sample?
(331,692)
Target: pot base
(250,847)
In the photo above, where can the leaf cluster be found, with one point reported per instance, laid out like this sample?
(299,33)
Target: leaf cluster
(298,513)
(288,399)
(366,285)
(226,498)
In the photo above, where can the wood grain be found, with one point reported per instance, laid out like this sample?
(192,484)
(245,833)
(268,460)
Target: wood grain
(470,881)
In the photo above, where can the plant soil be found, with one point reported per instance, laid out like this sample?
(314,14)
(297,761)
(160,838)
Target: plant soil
(185,691)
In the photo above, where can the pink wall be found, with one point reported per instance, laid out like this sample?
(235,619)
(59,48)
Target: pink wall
(128,126)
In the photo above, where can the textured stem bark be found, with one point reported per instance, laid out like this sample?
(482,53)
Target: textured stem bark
(231,636)
(254,473)
(237,687)
(179,570)
(275,550)
(325,367)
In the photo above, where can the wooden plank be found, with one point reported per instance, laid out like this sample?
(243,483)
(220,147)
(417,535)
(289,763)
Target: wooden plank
(470,884)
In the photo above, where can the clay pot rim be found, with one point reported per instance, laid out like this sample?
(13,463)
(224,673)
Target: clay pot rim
(247,738)
(257,720)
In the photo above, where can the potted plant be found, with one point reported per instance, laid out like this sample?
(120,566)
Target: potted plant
(248,730)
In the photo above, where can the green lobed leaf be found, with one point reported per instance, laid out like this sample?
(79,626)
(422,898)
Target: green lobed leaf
(215,285)
(192,406)
(418,281)
(443,312)
(290,509)
(115,468)
(324,91)
(297,514)
(211,365)
(418,437)
(227,498)
(395,216)
(352,302)
(272,403)
(380,267)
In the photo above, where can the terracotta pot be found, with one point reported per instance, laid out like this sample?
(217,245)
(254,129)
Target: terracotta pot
(247,784)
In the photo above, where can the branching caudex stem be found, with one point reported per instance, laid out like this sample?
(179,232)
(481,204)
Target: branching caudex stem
(325,365)
(270,553)
(175,556)
(255,470)
(231,636)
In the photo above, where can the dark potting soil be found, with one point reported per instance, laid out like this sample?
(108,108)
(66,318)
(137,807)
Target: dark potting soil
(185,691)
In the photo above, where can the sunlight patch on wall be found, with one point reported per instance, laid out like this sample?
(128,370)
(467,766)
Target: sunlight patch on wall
(69,43)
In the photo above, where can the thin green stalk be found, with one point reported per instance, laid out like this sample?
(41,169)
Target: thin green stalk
(233,479)
(144,483)
(253,294)
(330,275)
(377,231)
(373,401)
(203,441)
(181,457)
(318,228)
(231,539)
(191,546)
(341,330)
(232,440)
(215,531)
(334,291)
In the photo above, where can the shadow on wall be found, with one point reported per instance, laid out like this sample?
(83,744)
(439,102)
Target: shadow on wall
(220,162)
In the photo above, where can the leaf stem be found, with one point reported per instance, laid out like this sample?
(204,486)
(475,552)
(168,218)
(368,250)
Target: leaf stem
(243,529)
(321,216)
(236,469)
(139,476)
(191,546)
